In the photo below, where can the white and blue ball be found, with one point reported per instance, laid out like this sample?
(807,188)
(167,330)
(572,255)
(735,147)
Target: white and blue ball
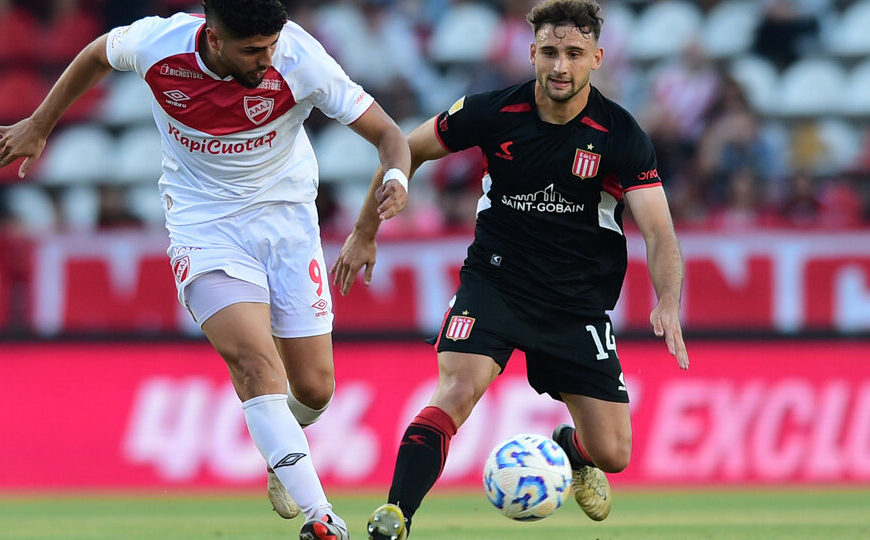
(527,477)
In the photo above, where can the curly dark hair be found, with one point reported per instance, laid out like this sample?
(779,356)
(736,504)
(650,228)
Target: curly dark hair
(580,13)
(247,18)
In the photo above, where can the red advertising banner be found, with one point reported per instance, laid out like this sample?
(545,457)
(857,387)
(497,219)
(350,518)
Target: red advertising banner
(772,281)
(157,415)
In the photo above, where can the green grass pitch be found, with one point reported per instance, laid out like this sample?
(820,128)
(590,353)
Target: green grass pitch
(648,515)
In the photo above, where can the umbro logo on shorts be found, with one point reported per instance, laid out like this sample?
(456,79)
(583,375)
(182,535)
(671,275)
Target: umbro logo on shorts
(459,327)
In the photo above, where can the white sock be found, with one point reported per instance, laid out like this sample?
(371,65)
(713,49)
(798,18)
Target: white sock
(281,442)
(304,414)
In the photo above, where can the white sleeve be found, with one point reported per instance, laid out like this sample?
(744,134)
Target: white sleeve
(317,77)
(127,43)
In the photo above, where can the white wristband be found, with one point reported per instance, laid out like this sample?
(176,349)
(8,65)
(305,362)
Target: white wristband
(396,174)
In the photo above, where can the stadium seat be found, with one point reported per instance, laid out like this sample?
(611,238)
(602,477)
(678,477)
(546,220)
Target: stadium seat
(137,156)
(32,207)
(79,206)
(664,29)
(759,80)
(344,156)
(849,35)
(21,91)
(144,202)
(129,100)
(729,28)
(857,91)
(843,146)
(463,34)
(79,154)
(811,87)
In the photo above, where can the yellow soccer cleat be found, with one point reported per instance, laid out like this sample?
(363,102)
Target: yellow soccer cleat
(592,492)
(387,523)
(282,502)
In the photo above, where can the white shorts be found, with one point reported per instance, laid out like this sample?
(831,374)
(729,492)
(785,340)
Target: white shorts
(276,247)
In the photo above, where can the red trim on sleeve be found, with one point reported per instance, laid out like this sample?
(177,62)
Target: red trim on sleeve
(642,186)
(438,136)
(518,107)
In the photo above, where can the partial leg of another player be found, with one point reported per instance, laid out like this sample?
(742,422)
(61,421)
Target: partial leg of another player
(600,443)
(462,380)
(241,333)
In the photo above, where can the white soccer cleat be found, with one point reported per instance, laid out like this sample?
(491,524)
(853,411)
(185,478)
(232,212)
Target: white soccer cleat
(282,502)
(328,527)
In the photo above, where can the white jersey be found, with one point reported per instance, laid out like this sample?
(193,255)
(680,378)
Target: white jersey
(226,147)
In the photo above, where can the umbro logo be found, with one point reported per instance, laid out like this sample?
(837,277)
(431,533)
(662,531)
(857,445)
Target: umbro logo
(176,98)
(289,460)
(505,152)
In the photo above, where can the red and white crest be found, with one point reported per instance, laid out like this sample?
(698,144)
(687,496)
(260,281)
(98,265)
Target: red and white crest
(586,163)
(180,268)
(258,109)
(459,327)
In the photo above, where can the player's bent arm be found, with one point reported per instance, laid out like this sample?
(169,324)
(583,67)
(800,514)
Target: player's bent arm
(425,145)
(649,208)
(27,137)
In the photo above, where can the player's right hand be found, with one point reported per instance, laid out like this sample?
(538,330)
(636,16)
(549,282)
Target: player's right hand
(356,252)
(22,139)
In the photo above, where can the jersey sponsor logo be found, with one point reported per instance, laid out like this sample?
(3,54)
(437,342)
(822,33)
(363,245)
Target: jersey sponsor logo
(651,174)
(176,97)
(505,152)
(180,268)
(586,163)
(176,71)
(218,147)
(459,327)
(456,107)
(270,84)
(258,109)
(548,201)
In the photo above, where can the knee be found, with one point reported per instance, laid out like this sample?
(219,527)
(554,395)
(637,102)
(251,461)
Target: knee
(615,458)
(249,365)
(457,398)
(313,390)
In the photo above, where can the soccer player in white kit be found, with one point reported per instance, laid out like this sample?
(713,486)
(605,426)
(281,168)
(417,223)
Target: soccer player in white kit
(231,91)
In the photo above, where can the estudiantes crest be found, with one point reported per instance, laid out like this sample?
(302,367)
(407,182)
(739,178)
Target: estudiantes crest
(586,163)
(258,109)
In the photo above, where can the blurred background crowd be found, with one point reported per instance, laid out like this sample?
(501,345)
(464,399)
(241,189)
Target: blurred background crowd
(758,110)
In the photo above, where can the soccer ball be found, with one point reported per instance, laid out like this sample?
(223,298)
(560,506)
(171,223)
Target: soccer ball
(527,477)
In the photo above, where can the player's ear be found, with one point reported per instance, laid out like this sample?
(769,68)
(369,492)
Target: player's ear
(532,52)
(597,58)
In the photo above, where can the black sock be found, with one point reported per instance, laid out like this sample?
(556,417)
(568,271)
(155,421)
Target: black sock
(421,458)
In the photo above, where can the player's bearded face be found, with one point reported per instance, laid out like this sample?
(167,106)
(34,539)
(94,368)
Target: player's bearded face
(248,59)
(564,57)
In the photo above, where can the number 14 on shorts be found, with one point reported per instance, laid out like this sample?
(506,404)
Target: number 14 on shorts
(609,341)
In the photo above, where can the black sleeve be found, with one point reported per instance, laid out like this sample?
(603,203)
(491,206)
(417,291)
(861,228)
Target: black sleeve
(638,167)
(463,124)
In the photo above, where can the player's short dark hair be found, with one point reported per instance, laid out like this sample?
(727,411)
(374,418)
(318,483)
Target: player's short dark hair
(580,13)
(247,18)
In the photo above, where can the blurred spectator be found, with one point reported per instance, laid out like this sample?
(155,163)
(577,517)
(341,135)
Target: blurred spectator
(113,212)
(509,50)
(802,208)
(457,181)
(70,28)
(17,29)
(745,207)
(785,34)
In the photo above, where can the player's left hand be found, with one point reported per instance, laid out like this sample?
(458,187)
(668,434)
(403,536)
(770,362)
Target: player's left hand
(356,252)
(392,199)
(665,320)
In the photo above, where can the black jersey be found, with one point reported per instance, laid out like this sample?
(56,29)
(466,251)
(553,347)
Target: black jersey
(549,224)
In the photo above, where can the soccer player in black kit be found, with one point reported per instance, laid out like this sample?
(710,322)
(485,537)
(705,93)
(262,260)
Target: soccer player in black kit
(547,262)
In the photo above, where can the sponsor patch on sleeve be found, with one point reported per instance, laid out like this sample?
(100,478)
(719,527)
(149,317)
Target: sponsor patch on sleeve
(456,107)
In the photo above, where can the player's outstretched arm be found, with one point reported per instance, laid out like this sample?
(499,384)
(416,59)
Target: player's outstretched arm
(360,248)
(385,198)
(649,207)
(27,138)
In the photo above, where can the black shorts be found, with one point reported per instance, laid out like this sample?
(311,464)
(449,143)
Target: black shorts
(572,353)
